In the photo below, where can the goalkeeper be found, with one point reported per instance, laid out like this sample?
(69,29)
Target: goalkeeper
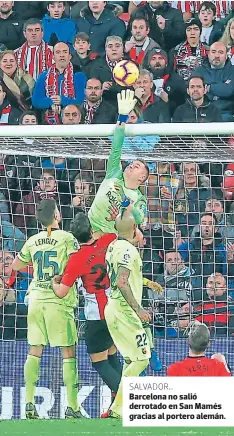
(120,189)
(50,319)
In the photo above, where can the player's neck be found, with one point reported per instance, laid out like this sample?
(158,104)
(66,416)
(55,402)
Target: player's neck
(55,225)
(90,242)
(191,354)
(130,184)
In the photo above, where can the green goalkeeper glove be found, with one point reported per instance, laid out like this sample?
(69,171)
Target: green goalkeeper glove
(126,102)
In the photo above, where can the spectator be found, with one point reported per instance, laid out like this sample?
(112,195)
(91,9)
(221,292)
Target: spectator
(13,288)
(84,59)
(191,196)
(228,39)
(58,86)
(212,30)
(114,54)
(12,239)
(8,114)
(224,221)
(4,207)
(18,282)
(99,22)
(162,187)
(11,26)
(18,84)
(24,217)
(18,167)
(28,118)
(71,115)
(154,109)
(82,199)
(181,284)
(166,23)
(189,54)
(205,253)
(217,309)
(34,56)
(169,85)
(181,289)
(56,27)
(223,8)
(95,110)
(197,109)
(218,75)
(139,44)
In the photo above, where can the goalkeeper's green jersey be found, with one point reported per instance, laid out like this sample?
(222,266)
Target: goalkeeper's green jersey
(112,192)
(123,253)
(49,255)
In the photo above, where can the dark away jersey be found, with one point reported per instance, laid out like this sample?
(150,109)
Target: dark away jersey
(198,367)
(89,264)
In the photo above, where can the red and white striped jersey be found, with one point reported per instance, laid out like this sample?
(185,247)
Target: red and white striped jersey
(183,6)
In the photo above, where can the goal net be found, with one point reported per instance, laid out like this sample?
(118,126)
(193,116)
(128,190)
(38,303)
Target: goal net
(189,241)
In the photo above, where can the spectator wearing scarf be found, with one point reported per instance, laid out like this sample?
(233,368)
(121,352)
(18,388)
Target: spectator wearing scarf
(18,84)
(34,56)
(139,43)
(189,54)
(58,86)
(95,110)
(24,217)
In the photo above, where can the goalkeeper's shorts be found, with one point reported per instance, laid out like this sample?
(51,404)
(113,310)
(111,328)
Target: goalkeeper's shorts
(127,331)
(51,323)
(97,336)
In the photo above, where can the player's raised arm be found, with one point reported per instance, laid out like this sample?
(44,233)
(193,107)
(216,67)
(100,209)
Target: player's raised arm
(126,103)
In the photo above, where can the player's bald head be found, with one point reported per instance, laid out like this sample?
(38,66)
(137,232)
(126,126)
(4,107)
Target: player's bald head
(199,338)
(125,224)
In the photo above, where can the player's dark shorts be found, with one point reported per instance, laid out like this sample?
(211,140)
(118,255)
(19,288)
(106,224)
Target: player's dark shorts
(97,336)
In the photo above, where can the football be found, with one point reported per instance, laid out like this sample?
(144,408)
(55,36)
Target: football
(125,73)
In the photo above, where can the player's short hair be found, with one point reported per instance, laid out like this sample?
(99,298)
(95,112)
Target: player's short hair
(81,228)
(45,211)
(199,338)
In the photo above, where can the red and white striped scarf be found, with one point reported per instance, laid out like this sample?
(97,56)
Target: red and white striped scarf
(52,88)
(90,111)
(34,60)
(5,113)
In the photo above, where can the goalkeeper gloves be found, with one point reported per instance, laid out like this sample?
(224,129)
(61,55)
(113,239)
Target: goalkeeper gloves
(154,286)
(126,103)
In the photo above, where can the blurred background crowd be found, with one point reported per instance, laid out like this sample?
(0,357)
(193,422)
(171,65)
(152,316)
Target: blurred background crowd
(56,63)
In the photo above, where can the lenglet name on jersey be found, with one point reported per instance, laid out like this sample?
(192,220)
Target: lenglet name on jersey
(45,241)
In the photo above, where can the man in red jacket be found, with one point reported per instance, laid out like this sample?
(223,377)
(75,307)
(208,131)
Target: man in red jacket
(197,364)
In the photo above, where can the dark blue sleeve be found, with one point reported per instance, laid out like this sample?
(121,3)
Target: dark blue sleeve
(79,83)
(184,250)
(39,99)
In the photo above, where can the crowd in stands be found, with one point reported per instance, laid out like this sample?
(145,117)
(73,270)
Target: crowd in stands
(56,63)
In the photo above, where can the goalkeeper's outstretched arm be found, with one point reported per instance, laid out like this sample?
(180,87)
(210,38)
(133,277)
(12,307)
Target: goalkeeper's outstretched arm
(126,103)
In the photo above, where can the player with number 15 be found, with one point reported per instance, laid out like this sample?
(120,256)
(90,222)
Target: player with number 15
(50,319)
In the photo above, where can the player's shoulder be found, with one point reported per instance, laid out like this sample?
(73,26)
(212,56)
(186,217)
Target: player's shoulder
(124,248)
(175,367)
(107,239)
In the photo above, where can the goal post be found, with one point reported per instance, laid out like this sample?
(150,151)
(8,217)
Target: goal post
(176,141)
(160,145)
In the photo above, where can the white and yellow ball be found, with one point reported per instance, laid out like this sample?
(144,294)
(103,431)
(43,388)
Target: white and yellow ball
(125,73)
